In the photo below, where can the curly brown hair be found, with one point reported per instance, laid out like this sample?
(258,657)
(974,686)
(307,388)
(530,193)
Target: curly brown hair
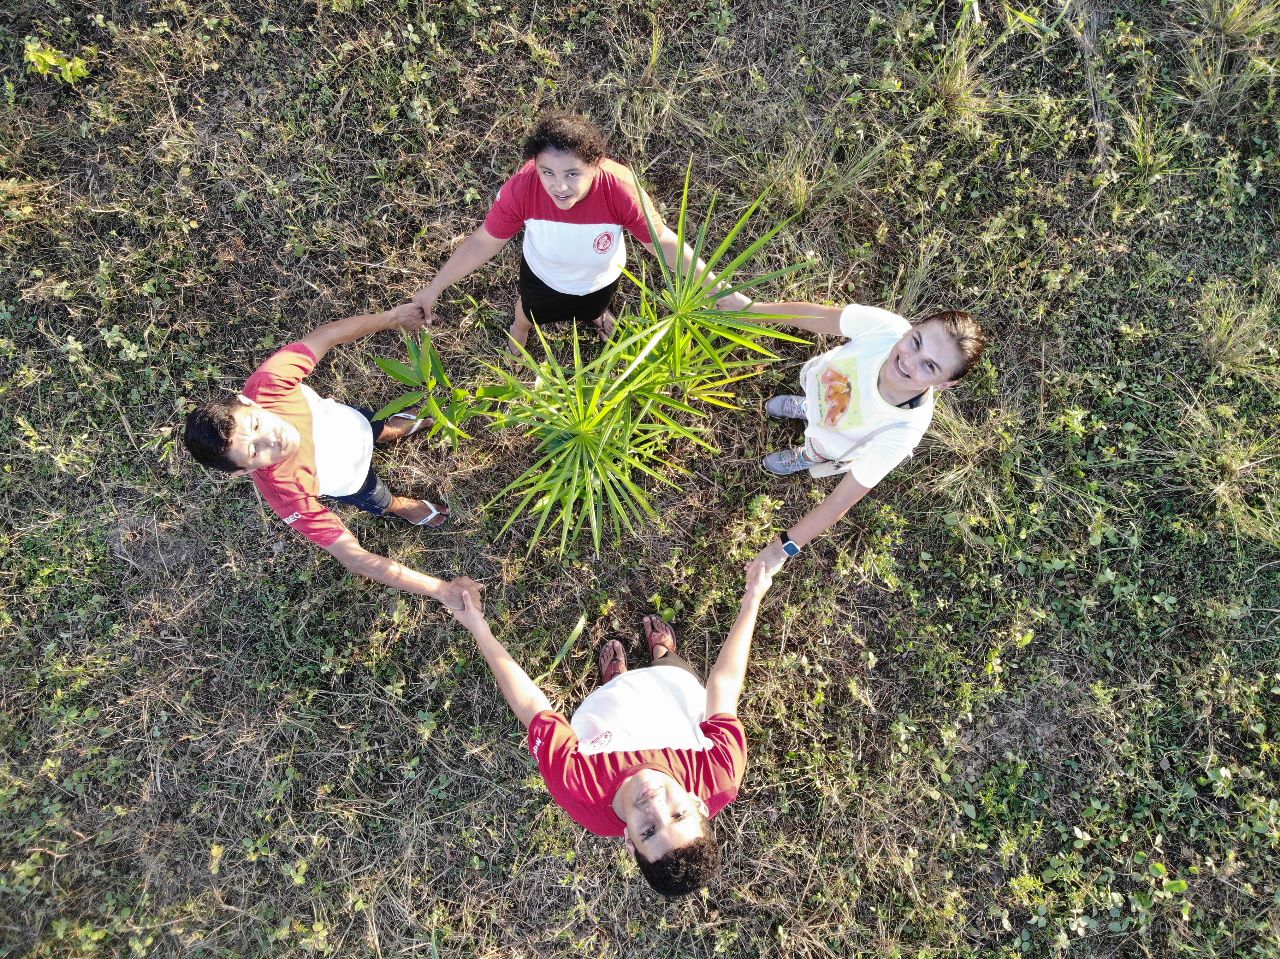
(567,132)
(686,869)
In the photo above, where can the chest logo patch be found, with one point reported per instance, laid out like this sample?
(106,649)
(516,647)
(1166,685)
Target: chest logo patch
(602,740)
(603,243)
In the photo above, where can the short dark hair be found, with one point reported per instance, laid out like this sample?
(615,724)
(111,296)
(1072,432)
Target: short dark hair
(208,433)
(686,869)
(965,332)
(567,132)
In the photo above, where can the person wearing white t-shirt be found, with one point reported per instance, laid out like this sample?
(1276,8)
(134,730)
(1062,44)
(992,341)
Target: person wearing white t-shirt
(652,755)
(866,403)
(574,205)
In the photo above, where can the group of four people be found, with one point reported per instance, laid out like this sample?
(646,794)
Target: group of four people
(651,754)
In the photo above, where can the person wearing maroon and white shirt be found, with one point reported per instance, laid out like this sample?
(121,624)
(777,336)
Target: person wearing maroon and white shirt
(298,447)
(574,205)
(650,755)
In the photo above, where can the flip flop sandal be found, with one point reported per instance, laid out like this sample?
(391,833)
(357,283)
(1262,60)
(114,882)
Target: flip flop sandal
(418,422)
(615,666)
(665,641)
(435,511)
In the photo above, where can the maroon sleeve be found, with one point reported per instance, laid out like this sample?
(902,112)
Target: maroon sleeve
(553,743)
(290,501)
(625,204)
(299,509)
(572,779)
(280,374)
(507,215)
(727,755)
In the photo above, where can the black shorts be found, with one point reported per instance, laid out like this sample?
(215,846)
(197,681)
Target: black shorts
(544,305)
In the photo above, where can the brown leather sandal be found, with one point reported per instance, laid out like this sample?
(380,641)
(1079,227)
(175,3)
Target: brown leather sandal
(612,660)
(658,634)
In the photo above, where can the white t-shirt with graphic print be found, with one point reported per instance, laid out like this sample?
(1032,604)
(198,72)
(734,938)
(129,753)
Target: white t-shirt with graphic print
(849,421)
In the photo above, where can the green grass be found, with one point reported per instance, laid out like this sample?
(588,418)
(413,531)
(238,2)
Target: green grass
(1022,702)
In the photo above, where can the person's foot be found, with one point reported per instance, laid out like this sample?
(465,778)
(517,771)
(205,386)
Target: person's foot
(787,462)
(606,322)
(787,407)
(419,512)
(660,637)
(401,425)
(517,337)
(613,661)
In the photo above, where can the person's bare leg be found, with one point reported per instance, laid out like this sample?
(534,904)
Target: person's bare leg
(397,428)
(416,510)
(662,645)
(605,324)
(520,327)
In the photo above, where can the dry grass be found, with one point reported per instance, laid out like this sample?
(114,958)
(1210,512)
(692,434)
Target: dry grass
(1055,622)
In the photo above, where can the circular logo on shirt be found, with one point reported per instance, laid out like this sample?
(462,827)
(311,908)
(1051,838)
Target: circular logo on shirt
(604,243)
(602,739)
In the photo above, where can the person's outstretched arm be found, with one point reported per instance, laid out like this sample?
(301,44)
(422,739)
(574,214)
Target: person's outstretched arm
(673,251)
(724,684)
(322,339)
(347,550)
(476,250)
(817,521)
(811,317)
(521,693)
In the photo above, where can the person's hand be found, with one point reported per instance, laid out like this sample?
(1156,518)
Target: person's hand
(773,556)
(426,298)
(733,301)
(451,593)
(409,317)
(469,612)
(759,578)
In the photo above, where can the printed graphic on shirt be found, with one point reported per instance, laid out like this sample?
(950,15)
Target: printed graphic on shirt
(603,243)
(599,742)
(839,403)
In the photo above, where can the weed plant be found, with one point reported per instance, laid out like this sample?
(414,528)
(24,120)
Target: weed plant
(600,427)
(597,423)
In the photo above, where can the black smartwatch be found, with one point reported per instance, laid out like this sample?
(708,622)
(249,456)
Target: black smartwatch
(788,545)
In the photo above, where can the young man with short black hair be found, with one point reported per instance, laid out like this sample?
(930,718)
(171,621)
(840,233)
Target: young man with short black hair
(298,447)
(650,755)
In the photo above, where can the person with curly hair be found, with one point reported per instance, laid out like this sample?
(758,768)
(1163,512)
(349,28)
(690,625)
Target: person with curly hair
(650,755)
(573,203)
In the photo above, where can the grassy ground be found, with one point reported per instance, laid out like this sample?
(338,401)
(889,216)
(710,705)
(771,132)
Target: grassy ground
(1025,700)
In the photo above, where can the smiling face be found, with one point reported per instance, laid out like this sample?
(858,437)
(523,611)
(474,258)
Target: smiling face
(565,177)
(659,813)
(261,438)
(926,356)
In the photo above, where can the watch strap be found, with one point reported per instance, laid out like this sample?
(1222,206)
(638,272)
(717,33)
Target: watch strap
(788,545)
